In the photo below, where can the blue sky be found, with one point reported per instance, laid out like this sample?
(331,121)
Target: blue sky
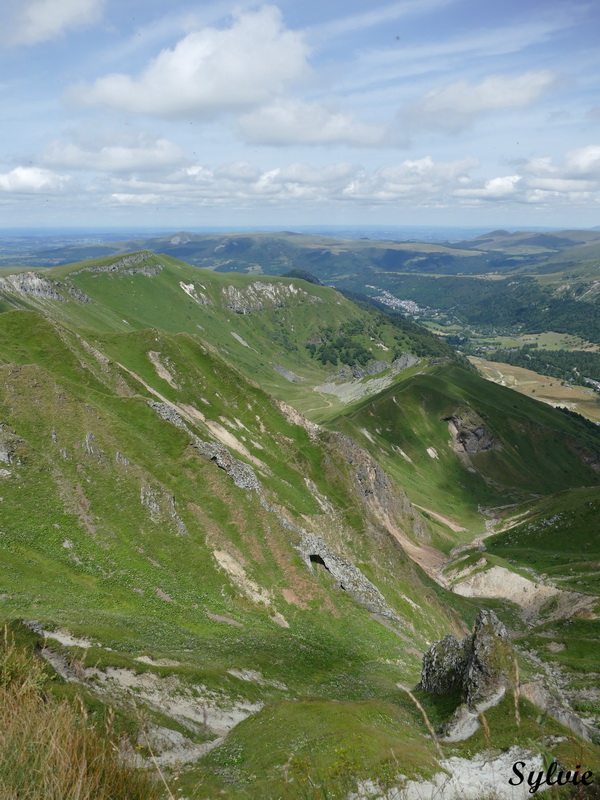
(135,112)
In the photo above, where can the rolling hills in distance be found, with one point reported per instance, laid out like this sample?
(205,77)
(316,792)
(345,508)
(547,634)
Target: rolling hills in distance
(252,504)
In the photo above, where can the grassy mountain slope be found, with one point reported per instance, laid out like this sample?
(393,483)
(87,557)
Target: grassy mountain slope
(116,528)
(224,558)
(535,449)
(260,324)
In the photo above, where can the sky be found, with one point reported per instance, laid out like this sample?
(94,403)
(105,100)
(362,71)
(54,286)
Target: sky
(182,114)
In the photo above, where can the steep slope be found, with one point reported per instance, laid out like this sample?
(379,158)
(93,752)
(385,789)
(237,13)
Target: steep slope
(156,503)
(181,534)
(459,443)
(287,334)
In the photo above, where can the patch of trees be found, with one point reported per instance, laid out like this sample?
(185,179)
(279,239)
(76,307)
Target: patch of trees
(349,344)
(340,346)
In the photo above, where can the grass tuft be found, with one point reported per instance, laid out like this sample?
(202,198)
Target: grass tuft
(50,749)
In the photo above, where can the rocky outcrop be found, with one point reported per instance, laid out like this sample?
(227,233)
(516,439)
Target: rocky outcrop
(356,372)
(376,490)
(470,434)
(536,693)
(128,265)
(31,284)
(260,295)
(403,361)
(78,295)
(286,373)
(10,445)
(480,667)
(169,414)
(242,475)
(192,291)
(314,551)
(445,665)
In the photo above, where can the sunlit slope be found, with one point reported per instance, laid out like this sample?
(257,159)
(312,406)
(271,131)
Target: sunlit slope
(558,536)
(265,326)
(418,430)
(116,526)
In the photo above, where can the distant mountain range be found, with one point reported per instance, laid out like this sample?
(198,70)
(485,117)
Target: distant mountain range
(529,280)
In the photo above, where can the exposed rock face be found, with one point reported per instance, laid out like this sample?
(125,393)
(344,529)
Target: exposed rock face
(347,372)
(490,658)
(356,372)
(470,434)
(127,266)
(404,361)
(377,491)
(537,694)
(169,414)
(9,445)
(314,550)
(78,295)
(444,665)
(192,291)
(242,475)
(264,295)
(287,374)
(32,285)
(479,666)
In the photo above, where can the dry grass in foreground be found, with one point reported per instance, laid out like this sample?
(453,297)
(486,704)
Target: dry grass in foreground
(49,750)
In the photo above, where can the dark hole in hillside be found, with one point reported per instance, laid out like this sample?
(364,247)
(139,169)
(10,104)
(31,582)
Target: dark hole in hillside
(316,559)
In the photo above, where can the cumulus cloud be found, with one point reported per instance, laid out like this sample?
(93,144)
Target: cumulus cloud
(415,181)
(542,181)
(494,189)
(142,154)
(576,177)
(422,179)
(211,70)
(583,162)
(32,180)
(290,121)
(456,106)
(33,21)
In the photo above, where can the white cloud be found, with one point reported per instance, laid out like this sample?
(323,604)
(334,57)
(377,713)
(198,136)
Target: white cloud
(581,165)
(454,107)
(211,70)
(412,181)
(584,162)
(236,171)
(542,181)
(33,21)
(494,189)
(136,199)
(578,177)
(422,179)
(290,121)
(32,180)
(331,174)
(140,155)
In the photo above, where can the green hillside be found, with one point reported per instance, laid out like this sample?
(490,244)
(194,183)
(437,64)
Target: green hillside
(260,585)
(265,326)
(531,449)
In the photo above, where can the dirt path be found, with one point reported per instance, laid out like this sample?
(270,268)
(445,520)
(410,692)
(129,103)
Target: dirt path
(440,518)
